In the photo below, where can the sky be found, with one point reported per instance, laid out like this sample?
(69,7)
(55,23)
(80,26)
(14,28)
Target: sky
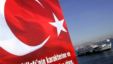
(88,20)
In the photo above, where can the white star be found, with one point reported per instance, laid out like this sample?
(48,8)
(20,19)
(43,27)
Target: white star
(58,24)
(39,3)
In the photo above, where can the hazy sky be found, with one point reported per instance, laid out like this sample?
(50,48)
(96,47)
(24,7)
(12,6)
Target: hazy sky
(88,19)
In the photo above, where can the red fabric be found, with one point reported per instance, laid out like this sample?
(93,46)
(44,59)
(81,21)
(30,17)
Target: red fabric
(29,22)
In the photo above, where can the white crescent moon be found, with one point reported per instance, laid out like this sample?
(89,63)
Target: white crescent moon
(9,42)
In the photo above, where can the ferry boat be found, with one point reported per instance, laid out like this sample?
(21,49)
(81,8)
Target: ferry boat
(93,48)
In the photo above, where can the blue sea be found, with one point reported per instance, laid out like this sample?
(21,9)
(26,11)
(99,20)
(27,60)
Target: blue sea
(105,57)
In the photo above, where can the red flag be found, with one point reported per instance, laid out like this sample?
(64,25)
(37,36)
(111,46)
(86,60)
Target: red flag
(34,32)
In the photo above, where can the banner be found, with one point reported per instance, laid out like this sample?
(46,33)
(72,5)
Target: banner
(34,32)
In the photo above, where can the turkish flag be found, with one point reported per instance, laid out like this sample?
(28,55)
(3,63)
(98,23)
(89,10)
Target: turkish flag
(34,32)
